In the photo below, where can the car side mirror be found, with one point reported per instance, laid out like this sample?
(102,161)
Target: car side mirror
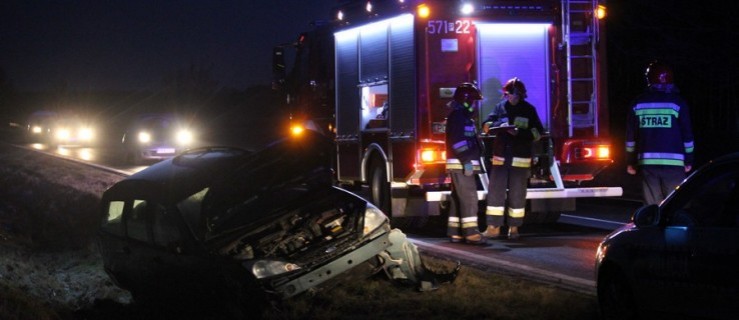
(646,216)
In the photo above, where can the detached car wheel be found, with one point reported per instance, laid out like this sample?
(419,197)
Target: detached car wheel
(615,297)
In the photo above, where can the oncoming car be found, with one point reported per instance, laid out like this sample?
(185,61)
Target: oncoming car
(60,129)
(242,229)
(154,137)
(680,258)
(39,126)
(72,131)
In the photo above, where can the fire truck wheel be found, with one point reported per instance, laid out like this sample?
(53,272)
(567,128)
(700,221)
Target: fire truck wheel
(379,187)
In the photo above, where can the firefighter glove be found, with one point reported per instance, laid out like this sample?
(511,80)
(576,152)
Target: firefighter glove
(468,169)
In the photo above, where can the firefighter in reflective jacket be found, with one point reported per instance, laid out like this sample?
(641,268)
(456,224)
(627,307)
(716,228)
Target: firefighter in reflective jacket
(659,138)
(463,162)
(515,125)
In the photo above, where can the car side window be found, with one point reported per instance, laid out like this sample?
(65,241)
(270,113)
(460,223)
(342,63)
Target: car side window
(191,210)
(113,222)
(164,227)
(136,221)
(712,205)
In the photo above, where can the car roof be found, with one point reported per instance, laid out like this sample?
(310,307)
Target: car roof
(172,179)
(287,159)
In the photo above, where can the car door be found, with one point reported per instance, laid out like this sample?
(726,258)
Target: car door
(180,264)
(702,236)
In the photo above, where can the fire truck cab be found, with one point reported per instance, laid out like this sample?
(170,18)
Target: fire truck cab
(377,78)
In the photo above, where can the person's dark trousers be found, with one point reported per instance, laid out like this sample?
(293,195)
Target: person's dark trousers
(511,183)
(463,213)
(659,181)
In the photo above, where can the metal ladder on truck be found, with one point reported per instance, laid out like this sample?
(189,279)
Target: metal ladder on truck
(580,39)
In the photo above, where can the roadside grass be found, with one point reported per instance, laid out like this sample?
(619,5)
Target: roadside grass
(475,294)
(16,305)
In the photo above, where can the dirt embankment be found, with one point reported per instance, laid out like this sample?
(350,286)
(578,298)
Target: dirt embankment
(48,220)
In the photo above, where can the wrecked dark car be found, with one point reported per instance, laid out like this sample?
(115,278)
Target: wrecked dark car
(248,228)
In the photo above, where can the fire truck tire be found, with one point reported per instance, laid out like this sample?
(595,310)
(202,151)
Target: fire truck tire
(379,187)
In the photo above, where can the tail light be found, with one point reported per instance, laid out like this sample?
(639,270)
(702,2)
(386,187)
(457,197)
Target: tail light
(432,156)
(586,150)
(431,152)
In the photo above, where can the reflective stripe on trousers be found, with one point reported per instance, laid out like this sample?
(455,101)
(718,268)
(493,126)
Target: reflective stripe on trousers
(507,183)
(463,210)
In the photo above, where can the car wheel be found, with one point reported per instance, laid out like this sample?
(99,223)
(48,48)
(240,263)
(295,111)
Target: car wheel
(615,296)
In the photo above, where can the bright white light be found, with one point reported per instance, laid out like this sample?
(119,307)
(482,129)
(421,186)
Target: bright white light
(184,137)
(144,137)
(340,15)
(467,8)
(514,28)
(369,6)
(63,134)
(87,134)
(36,129)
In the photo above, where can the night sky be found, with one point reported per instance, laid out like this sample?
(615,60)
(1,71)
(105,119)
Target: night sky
(133,44)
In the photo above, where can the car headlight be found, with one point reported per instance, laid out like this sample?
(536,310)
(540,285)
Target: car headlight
(36,129)
(62,134)
(373,219)
(87,134)
(267,268)
(144,137)
(184,137)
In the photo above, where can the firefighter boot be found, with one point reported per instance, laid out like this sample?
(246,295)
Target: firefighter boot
(492,232)
(476,239)
(513,233)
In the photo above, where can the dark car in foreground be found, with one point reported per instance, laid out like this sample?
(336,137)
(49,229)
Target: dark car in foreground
(681,258)
(156,136)
(240,228)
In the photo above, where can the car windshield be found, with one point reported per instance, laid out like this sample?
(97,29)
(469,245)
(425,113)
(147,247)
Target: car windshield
(155,124)
(284,174)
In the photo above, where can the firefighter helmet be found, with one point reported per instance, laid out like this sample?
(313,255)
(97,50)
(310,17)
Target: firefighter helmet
(467,92)
(658,74)
(515,86)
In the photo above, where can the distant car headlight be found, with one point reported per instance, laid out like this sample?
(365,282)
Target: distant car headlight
(36,129)
(87,134)
(63,134)
(374,218)
(144,137)
(267,268)
(184,137)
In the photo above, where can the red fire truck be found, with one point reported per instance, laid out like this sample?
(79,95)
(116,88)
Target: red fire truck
(378,75)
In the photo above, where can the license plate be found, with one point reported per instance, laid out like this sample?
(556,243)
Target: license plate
(165,150)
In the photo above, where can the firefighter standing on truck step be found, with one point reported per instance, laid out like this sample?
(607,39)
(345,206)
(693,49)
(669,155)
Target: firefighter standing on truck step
(659,137)
(516,126)
(463,163)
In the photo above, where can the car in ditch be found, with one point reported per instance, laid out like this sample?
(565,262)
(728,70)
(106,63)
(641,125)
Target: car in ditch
(246,228)
(679,258)
(154,137)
